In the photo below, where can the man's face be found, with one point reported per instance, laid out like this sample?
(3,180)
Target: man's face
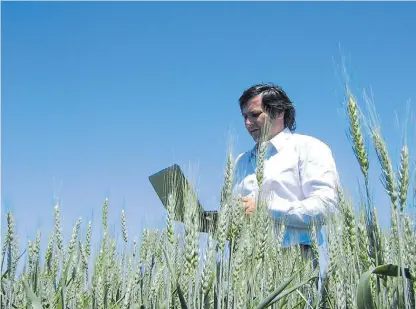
(255,118)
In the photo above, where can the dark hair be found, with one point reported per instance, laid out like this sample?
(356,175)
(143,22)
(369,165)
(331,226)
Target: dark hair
(274,101)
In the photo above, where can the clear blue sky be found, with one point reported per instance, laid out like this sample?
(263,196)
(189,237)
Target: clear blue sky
(98,96)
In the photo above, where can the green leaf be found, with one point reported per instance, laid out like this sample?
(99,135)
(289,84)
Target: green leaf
(181,297)
(5,285)
(15,261)
(299,304)
(33,298)
(280,289)
(171,270)
(291,290)
(60,294)
(5,273)
(364,296)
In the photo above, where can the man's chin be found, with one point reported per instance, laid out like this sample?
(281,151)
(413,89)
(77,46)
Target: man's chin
(255,137)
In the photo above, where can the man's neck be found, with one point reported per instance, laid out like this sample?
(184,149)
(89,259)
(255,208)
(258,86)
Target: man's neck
(270,137)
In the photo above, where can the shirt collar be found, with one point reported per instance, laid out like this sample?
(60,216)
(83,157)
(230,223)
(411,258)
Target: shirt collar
(277,141)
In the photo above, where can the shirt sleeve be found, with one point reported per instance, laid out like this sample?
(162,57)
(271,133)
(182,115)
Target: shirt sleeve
(319,181)
(238,166)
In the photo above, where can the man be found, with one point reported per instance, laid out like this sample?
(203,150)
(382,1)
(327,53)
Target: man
(300,177)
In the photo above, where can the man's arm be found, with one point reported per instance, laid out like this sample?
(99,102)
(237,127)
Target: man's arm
(319,181)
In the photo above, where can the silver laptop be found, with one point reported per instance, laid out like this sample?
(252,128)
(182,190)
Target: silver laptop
(172,180)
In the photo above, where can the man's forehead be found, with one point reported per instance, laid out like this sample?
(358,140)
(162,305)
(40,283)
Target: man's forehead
(253,104)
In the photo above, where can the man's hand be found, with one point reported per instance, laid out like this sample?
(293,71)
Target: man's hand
(249,204)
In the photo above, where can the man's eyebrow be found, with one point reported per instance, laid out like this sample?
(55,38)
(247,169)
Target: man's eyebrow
(254,111)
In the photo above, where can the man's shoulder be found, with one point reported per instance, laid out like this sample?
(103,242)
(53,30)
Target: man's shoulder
(308,142)
(315,151)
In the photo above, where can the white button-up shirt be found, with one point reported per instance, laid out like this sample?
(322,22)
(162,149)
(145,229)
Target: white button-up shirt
(299,183)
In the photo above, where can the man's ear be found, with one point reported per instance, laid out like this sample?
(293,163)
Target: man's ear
(280,115)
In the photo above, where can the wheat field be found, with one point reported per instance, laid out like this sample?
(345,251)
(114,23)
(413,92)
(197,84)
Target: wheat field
(241,263)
